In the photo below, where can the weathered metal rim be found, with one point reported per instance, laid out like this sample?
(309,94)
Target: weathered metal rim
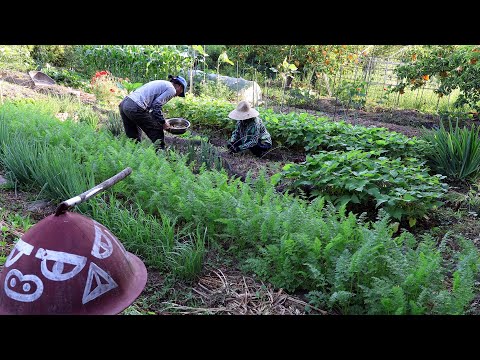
(139,280)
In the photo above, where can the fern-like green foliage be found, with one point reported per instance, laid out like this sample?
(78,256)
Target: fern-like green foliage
(362,269)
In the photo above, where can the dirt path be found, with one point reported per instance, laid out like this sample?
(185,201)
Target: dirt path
(16,84)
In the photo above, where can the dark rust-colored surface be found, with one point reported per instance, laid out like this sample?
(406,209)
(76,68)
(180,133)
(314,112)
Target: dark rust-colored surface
(70,264)
(40,78)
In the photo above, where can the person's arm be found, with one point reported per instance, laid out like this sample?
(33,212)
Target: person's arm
(234,137)
(157,104)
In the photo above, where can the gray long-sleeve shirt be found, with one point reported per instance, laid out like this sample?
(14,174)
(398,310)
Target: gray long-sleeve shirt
(153,95)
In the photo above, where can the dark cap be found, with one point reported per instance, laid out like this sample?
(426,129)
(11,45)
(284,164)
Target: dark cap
(179,80)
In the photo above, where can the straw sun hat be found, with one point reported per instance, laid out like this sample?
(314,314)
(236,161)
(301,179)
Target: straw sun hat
(243,111)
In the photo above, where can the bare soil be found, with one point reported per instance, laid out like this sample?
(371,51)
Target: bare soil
(240,164)
(16,84)
(408,122)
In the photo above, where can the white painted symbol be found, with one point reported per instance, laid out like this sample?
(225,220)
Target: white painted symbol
(102,249)
(60,258)
(100,287)
(11,279)
(22,248)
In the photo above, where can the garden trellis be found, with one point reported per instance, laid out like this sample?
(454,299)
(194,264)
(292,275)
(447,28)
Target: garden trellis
(353,86)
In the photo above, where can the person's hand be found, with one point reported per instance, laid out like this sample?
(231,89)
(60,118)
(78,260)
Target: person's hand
(232,149)
(166,126)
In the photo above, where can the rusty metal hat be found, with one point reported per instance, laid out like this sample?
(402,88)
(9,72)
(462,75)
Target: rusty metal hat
(70,264)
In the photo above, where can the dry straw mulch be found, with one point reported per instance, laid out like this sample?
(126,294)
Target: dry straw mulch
(236,294)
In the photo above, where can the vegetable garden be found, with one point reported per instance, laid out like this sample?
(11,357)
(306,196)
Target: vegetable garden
(339,218)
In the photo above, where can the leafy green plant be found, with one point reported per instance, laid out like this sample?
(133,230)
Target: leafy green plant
(186,259)
(88,116)
(16,57)
(114,123)
(67,77)
(354,94)
(12,226)
(301,97)
(455,151)
(106,88)
(217,90)
(139,63)
(334,255)
(366,178)
(301,130)
(19,158)
(201,156)
(56,55)
(126,84)
(286,71)
(223,59)
(53,170)
(468,201)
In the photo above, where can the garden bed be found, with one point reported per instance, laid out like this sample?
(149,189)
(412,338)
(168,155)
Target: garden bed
(221,288)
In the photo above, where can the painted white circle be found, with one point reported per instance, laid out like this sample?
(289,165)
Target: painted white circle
(13,282)
(26,287)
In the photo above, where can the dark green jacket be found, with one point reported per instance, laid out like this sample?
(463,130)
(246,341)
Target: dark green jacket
(249,133)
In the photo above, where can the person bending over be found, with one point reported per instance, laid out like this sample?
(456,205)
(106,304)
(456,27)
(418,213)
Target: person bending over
(142,109)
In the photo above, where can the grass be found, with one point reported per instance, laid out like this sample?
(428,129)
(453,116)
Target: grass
(455,151)
(12,227)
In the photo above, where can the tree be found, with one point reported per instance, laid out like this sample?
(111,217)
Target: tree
(454,67)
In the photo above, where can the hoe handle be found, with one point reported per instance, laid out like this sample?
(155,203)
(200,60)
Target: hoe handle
(93,191)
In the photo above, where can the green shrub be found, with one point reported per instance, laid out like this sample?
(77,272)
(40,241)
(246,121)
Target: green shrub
(56,55)
(67,77)
(16,57)
(217,90)
(455,152)
(403,189)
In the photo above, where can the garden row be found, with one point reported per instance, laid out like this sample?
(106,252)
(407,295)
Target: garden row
(372,167)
